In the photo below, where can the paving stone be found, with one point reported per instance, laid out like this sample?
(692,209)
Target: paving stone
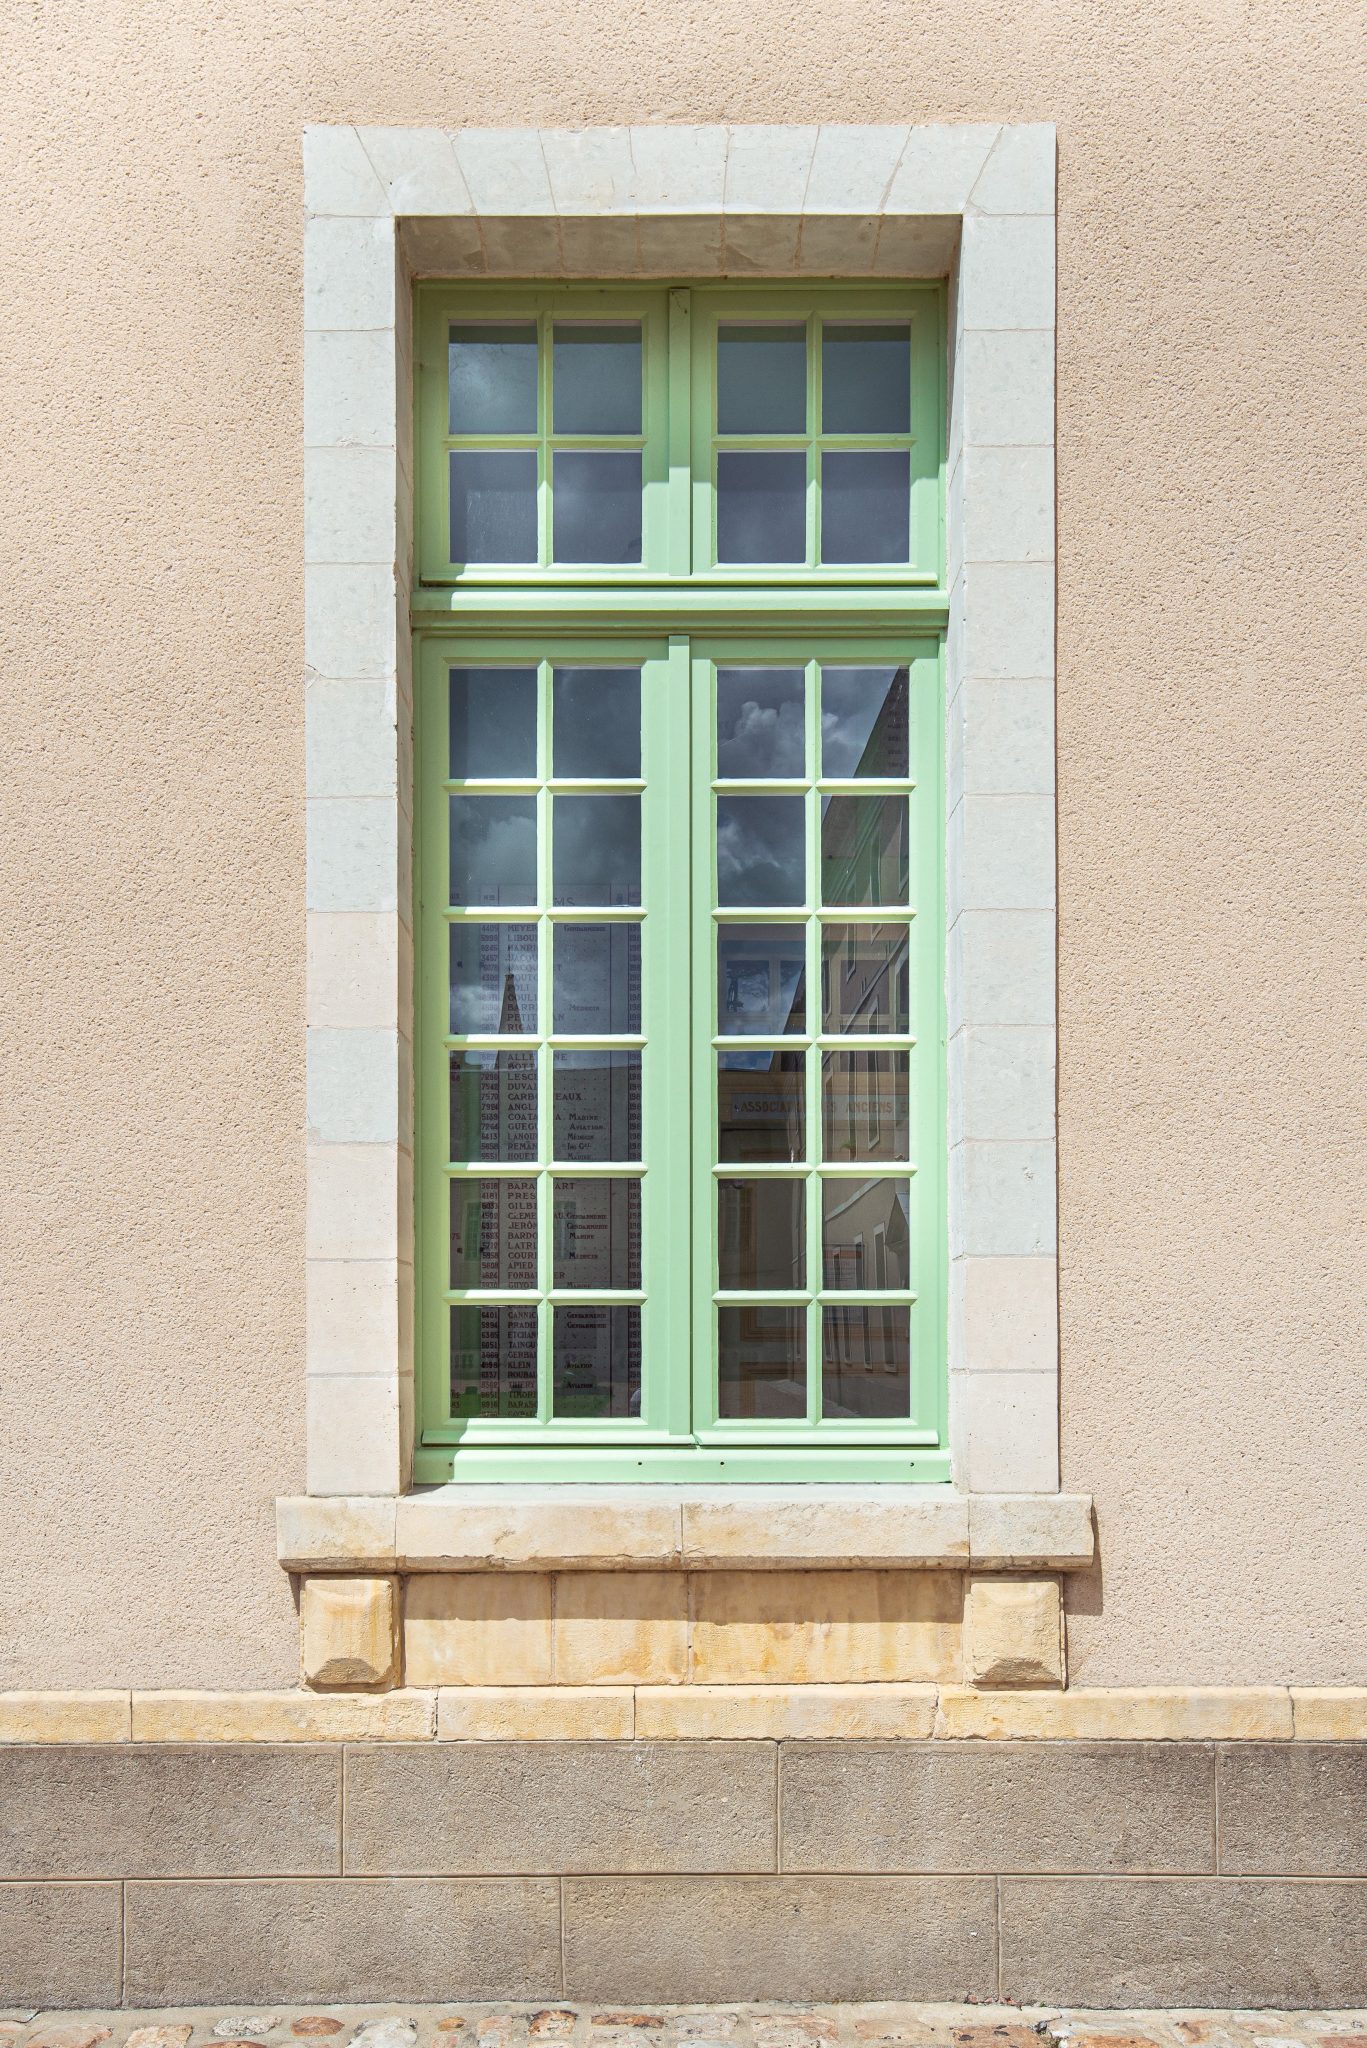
(316,2023)
(552,2024)
(158,2037)
(254,2027)
(397,2033)
(74,2035)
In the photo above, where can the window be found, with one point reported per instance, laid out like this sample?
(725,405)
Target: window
(680,1097)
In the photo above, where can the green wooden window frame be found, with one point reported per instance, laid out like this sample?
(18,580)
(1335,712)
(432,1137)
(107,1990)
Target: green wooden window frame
(678,618)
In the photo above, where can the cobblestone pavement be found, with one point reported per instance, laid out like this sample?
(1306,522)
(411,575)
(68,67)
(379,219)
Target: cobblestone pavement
(722,2026)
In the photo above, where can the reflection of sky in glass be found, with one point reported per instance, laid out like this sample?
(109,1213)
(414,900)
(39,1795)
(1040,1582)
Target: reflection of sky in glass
(760,850)
(492,377)
(760,722)
(761,506)
(865,505)
(493,505)
(865,380)
(863,722)
(493,849)
(493,722)
(597,722)
(761,379)
(596,379)
(493,977)
(761,978)
(596,507)
(596,843)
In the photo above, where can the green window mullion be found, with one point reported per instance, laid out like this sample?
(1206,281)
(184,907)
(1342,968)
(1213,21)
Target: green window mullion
(812,1057)
(544,1058)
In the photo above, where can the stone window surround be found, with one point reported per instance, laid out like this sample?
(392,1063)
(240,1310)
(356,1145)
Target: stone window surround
(975,203)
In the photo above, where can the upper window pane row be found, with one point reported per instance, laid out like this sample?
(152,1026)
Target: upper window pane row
(595,386)
(764,385)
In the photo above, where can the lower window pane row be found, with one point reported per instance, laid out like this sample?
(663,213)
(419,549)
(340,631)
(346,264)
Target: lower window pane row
(865,1363)
(595,1363)
(762,1363)
(595,1233)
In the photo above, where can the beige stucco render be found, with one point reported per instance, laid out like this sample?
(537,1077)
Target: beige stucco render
(1210,606)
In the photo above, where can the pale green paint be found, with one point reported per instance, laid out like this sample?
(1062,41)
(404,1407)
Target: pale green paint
(678,621)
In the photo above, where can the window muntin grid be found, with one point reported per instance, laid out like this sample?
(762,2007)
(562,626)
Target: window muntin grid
(885,1240)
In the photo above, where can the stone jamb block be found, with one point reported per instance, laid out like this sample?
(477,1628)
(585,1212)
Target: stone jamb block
(349,1629)
(1013,1632)
(490,201)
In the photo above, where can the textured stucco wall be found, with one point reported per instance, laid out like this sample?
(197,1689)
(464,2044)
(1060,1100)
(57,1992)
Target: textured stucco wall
(1211,750)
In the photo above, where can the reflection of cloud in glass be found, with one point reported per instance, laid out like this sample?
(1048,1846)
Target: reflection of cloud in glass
(493,977)
(493,849)
(864,721)
(759,722)
(597,850)
(760,852)
(761,507)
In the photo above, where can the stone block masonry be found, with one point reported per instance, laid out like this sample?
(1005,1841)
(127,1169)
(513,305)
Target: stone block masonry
(1110,1873)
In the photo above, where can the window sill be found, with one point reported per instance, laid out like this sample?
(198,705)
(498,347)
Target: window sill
(698,1528)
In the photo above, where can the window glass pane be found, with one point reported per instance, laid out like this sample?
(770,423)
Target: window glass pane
(864,978)
(761,850)
(597,981)
(761,978)
(597,1362)
(761,1362)
(596,373)
(493,1362)
(493,722)
(493,1106)
(493,977)
(865,1233)
(493,505)
(492,378)
(493,849)
(597,1105)
(762,380)
(761,506)
(596,507)
(866,505)
(864,1106)
(760,1234)
(761,1107)
(597,850)
(760,722)
(866,1364)
(864,722)
(597,1233)
(597,722)
(864,854)
(865,380)
(493,1233)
